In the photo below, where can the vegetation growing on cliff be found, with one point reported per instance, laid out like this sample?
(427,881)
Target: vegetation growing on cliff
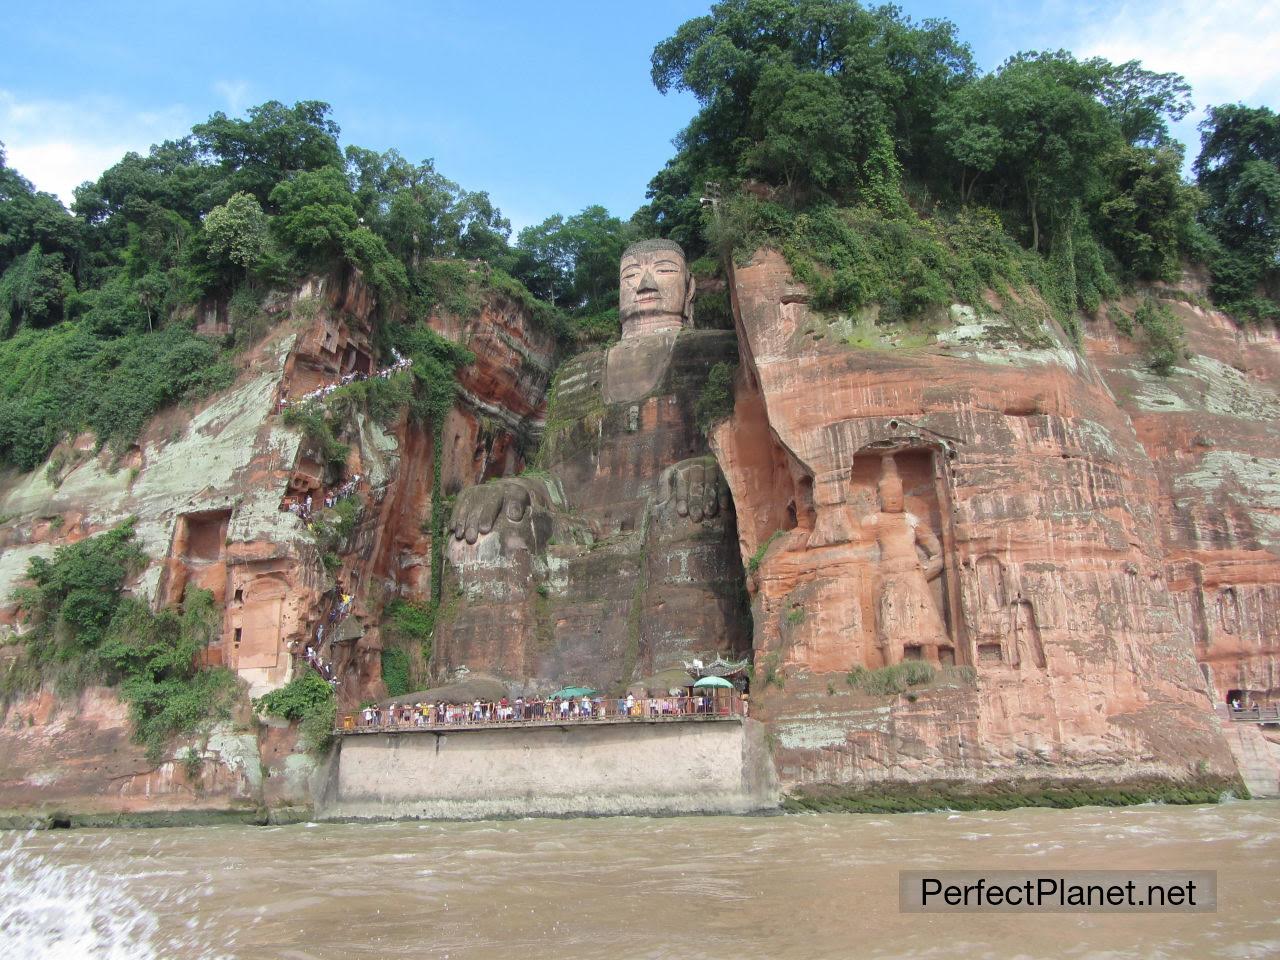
(84,630)
(97,304)
(715,401)
(870,149)
(309,700)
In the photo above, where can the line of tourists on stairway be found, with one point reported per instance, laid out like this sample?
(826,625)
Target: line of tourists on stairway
(550,709)
(339,608)
(319,393)
(302,507)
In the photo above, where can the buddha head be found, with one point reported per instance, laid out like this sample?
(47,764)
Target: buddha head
(656,289)
(891,500)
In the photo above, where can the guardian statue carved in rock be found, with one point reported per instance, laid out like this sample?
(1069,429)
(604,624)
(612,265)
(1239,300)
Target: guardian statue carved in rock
(906,614)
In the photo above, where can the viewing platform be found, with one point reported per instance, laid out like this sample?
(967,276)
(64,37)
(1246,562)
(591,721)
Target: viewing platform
(541,715)
(658,755)
(1259,714)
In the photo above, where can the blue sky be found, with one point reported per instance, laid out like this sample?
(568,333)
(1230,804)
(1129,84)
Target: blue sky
(547,105)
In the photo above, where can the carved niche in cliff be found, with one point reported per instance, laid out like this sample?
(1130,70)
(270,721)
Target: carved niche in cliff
(1004,623)
(622,557)
(256,615)
(910,599)
(197,555)
(899,509)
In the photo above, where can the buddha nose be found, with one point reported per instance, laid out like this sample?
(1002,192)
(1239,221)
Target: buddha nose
(647,283)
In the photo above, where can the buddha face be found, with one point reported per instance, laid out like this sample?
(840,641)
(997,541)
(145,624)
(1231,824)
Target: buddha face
(656,291)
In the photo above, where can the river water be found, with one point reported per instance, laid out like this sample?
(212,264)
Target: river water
(623,888)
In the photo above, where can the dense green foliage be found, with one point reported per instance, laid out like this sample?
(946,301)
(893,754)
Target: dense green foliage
(715,401)
(573,264)
(74,595)
(1161,332)
(96,329)
(395,671)
(890,171)
(1239,171)
(153,658)
(84,630)
(309,700)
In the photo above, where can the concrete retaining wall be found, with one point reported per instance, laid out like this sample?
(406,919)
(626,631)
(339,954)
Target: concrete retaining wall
(572,770)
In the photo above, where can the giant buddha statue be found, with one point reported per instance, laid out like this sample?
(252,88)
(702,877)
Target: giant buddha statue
(618,556)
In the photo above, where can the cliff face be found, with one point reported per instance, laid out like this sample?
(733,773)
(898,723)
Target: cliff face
(1085,554)
(209,489)
(1212,433)
(1062,638)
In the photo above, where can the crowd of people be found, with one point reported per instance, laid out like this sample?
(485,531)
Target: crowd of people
(322,667)
(535,709)
(302,507)
(320,392)
(311,653)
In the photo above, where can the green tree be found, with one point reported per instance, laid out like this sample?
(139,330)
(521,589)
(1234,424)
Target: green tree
(237,231)
(821,94)
(1239,171)
(810,134)
(273,144)
(33,290)
(30,218)
(317,211)
(1146,210)
(1036,128)
(574,262)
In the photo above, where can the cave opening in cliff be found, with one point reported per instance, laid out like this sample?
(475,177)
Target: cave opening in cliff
(197,555)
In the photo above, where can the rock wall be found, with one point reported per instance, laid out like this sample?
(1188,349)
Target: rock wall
(1212,433)
(208,487)
(73,760)
(1058,640)
(1083,552)
(582,769)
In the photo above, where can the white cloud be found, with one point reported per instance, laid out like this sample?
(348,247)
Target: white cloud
(59,144)
(234,92)
(1228,50)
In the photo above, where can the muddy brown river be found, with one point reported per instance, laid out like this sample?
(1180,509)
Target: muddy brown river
(801,887)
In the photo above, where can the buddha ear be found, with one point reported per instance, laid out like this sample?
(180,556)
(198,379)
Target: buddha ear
(688,298)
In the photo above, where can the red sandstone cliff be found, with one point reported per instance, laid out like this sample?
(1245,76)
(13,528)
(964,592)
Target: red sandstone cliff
(207,487)
(1065,649)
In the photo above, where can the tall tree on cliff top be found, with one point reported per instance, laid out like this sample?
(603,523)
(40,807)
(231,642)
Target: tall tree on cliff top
(1239,171)
(1042,127)
(273,143)
(573,262)
(824,97)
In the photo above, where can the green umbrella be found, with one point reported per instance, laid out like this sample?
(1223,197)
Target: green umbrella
(570,693)
(714,682)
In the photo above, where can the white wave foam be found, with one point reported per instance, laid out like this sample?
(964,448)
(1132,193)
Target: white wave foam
(66,912)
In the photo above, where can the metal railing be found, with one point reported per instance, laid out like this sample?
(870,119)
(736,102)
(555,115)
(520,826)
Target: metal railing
(1256,714)
(541,713)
